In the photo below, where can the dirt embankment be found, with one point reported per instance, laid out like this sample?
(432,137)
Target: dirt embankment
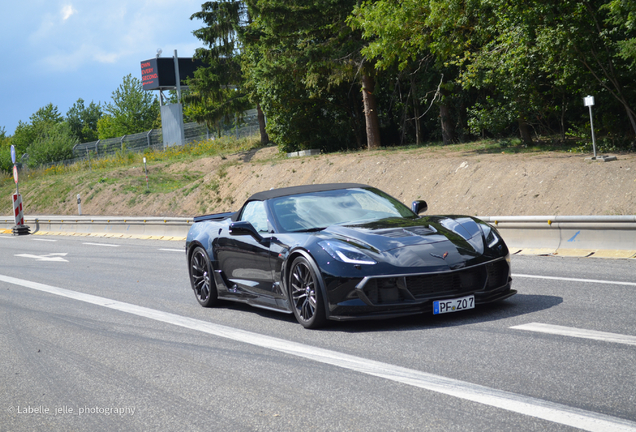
(451,183)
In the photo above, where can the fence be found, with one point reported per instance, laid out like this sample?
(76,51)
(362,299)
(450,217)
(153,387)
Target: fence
(153,139)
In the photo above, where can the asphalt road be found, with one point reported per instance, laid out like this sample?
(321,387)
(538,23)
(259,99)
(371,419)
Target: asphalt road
(105,334)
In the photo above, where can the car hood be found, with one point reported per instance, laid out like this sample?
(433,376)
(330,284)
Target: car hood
(412,242)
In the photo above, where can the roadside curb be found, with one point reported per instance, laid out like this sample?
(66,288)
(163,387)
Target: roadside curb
(576,253)
(104,235)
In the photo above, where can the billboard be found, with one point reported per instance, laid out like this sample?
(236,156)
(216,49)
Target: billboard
(158,73)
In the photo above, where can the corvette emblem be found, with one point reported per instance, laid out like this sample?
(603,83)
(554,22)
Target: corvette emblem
(440,256)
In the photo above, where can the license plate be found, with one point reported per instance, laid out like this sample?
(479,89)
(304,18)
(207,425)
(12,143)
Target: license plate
(454,305)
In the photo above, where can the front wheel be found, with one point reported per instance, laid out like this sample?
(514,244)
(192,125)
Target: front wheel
(305,294)
(201,278)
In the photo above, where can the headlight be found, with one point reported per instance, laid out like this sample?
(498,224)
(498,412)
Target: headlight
(491,236)
(346,253)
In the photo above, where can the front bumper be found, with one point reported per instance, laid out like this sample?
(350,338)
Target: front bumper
(406,294)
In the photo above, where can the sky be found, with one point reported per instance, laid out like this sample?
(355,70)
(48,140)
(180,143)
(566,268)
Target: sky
(60,51)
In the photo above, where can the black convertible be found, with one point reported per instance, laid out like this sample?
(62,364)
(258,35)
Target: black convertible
(343,252)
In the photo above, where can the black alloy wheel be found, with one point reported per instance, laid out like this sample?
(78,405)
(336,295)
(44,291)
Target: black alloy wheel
(305,294)
(201,278)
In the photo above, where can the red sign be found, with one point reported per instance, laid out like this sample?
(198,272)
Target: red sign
(15,174)
(158,73)
(150,74)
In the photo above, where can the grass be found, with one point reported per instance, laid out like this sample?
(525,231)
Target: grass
(491,146)
(54,185)
(123,172)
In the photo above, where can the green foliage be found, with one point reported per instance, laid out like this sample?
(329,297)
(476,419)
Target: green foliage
(107,127)
(622,15)
(55,144)
(23,136)
(304,65)
(5,161)
(217,92)
(41,121)
(46,115)
(492,117)
(133,110)
(396,32)
(449,70)
(515,63)
(83,120)
(46,138)
(5,152)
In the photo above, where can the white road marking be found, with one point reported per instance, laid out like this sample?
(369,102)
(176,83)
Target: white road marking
(579,333)
(101,244)
(575,280)
(41,239)
(538,408)
(48,257)
(173,250)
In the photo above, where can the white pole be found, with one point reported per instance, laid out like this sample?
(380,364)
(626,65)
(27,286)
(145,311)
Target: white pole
(146,171)
(177,76)
(589,102)
(593,138)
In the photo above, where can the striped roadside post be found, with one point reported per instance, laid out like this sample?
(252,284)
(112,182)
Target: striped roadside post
(20,228)
(17,209)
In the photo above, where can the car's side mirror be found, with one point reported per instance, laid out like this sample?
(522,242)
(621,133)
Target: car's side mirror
(419,206)
(245,228)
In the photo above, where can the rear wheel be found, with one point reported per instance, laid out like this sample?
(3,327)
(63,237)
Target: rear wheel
(305,294)
(201,278)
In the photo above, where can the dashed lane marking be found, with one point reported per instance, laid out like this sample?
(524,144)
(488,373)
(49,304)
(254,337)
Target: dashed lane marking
(577,333)
(575,279)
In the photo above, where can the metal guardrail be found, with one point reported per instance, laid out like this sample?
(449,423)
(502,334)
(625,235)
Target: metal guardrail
(174,227)
(567,232)
(546,233)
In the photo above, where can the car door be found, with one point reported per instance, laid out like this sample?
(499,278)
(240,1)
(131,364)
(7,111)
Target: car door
(244,259)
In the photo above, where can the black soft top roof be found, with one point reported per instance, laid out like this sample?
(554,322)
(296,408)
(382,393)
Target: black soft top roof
(297,190)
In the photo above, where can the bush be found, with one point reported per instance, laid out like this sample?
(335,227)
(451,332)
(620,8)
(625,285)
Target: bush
(56,144)
(491,117)
(5,159)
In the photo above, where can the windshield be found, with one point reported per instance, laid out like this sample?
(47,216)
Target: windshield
(321,209)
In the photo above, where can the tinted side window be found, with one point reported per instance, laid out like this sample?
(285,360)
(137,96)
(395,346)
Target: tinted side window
(254,213)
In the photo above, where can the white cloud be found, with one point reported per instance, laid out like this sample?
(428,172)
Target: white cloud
(67,11)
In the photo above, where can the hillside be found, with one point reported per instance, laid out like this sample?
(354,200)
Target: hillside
(450,180)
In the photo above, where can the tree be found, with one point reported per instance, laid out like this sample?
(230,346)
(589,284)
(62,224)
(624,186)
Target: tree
(46,138)
(83,120)
(605,47)
(509,61)
(401,34)
(218,90)
(622,16)
(55,144)
(133,110)
(27,133)
(47,114)
(304,63)
(5,151)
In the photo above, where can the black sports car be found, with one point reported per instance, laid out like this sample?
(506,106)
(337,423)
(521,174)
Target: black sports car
(343,252)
